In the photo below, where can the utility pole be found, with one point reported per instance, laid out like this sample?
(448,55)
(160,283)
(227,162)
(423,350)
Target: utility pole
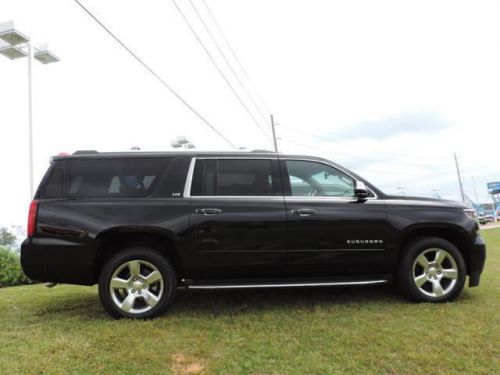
(475,191)
(274,134)
(459,178)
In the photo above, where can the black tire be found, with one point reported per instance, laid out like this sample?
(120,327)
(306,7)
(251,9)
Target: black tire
(146,257)
(406,278)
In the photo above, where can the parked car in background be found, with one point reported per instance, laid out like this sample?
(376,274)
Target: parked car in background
(143,224)
(485,218)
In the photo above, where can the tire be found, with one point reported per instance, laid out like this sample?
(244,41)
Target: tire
(431,270)
(138,282)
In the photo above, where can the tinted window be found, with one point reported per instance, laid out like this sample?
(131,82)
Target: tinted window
(316,179)
(115,177)
(172,183)
(233,177)
(54,184)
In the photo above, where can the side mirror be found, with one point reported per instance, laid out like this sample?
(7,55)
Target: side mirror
(360,190)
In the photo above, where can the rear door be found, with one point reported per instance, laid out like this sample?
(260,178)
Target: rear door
(330,232)
(238,218)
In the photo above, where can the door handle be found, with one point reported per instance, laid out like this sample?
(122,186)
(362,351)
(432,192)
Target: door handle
(303,211)
(208,211)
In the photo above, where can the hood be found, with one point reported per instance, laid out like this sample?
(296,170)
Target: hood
(424,201)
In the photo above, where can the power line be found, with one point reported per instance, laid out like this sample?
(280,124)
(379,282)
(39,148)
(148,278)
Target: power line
(235,56)
(228,63)
(148,68)
(370,149)
(352,156)
(220,70)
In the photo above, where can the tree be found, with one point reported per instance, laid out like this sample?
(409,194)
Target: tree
(7,238)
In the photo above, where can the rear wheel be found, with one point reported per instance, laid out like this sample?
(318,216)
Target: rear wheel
(137,283)
(433,270)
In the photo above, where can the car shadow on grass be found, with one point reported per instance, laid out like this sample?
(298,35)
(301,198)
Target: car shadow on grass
(248,300)
(231,302)
(76,306)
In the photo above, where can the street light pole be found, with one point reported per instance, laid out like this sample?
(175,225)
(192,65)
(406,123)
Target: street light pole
(17,45)
(30,120)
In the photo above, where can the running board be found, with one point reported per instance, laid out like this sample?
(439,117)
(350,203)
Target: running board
(284,285)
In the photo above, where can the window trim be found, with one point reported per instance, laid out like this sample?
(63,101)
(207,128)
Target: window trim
(189,179)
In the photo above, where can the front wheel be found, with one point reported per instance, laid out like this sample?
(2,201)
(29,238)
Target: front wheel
(432,269)
(137,283)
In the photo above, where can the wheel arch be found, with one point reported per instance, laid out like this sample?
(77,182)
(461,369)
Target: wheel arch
(112,241)
(452,233)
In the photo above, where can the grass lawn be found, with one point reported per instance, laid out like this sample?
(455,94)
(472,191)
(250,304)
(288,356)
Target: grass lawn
(65,330)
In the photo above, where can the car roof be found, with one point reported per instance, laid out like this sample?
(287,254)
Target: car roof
(139,154)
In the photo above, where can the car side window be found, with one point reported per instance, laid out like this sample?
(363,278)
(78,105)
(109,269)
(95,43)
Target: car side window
(114,177)
(309,178)
(233,177)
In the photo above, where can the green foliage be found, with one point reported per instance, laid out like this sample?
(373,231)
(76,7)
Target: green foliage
(11,272)
(6,237)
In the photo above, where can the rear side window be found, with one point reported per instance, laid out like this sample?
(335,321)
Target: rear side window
(233,177)
(54,185)
(124,177)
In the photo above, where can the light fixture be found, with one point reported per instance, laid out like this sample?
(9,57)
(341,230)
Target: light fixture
(46,57)
(182,139)
(10,35)
(13,52)
(13,37)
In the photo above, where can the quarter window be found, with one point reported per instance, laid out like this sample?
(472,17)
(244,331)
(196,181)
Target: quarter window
(125,177)
(308,178)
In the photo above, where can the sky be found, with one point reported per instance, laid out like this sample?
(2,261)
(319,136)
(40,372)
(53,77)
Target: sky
(389,89)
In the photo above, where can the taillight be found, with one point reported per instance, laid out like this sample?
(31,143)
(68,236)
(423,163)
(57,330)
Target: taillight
(32,218)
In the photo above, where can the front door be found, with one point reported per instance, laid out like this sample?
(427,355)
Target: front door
(330,232)
(238,219)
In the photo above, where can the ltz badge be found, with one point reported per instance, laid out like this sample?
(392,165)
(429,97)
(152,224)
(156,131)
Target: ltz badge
(364,242)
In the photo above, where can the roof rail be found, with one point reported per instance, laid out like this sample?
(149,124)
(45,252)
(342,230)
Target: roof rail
(79,152)
(263,151)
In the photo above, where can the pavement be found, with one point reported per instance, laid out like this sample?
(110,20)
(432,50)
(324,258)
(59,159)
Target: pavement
(490,226)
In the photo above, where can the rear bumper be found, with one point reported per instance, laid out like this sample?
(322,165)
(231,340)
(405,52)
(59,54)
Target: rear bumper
(59,261)
(477,259)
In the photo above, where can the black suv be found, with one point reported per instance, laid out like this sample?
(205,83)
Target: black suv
(143,224)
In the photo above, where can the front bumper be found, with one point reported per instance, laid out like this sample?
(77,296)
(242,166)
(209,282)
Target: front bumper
(477,259)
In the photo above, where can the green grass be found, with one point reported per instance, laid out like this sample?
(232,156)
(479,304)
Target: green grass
(65,330)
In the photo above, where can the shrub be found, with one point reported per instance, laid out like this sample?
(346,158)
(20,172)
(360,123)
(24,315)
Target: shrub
(11,272)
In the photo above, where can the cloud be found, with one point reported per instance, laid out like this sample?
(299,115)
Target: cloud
(392,126)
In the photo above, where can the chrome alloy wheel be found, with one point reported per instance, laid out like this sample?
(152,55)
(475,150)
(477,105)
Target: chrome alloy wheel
(136,286)
(435,272)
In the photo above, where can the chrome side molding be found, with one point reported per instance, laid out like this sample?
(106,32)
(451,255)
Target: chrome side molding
(287,285)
